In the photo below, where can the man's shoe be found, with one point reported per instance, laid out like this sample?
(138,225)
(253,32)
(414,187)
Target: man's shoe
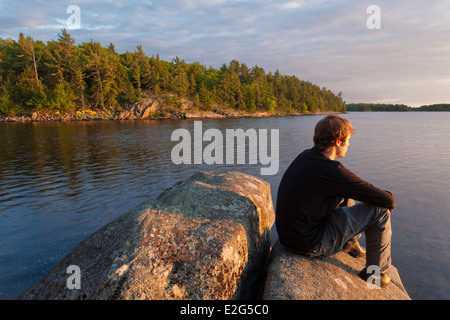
(354,249)
(384,278)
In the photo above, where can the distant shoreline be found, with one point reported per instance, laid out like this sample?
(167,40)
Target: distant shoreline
(375,107)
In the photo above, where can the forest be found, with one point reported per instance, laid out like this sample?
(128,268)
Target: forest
(395,107)
(63,76)
(377,107)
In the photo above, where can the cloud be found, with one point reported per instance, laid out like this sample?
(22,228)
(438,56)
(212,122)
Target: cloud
(323,41)
(297,4)
(293,5)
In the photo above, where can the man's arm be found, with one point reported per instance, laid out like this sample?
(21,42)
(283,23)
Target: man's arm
(348,184)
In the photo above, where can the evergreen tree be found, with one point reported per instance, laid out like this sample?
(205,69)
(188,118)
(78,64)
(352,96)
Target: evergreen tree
(112,76)
(28,47)
(230,87)
(5,99)
(78,77)
(95,65)
(180,79)
(28,92)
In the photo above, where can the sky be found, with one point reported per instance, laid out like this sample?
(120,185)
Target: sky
(333,44)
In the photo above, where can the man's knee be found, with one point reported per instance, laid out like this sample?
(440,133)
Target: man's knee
(383,213)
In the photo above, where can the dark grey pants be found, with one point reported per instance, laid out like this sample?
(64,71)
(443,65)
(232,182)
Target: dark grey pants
(348,221)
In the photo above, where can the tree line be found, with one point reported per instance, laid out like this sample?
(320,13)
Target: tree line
(377,107)
(61,75)
(395,107)
(434,107)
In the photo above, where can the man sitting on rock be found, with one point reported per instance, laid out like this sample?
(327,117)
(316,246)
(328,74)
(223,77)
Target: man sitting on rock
(315,215)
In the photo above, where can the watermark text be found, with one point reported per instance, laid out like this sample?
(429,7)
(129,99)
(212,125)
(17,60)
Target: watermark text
(74,280)
(258,143)
(74,20)
(374,20)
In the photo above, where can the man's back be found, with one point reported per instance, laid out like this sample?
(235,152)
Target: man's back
(308,193)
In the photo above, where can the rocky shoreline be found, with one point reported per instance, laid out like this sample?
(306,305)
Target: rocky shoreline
(205,238)
(147,109)
(105,116)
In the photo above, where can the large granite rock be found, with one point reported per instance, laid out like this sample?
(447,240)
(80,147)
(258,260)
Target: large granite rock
(205,238)
(294,277)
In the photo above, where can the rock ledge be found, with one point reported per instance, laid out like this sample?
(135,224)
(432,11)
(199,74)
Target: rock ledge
(205,238)
(295,277)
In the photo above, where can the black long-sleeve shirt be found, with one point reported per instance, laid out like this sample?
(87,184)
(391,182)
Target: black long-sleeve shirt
(307,195)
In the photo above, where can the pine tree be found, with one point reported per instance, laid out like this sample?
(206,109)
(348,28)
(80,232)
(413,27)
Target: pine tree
(230,87)
(160,75)
(192,85)
(94,63)
(111,76)
(205,95)
(28,93)
(78,83)
(141,70)
(180,79)
(29,53)
(5,99)
(137,75)
(66,44)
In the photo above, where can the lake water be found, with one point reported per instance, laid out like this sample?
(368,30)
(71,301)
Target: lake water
(60,182)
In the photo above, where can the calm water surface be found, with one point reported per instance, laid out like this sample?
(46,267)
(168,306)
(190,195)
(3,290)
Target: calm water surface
(60,182)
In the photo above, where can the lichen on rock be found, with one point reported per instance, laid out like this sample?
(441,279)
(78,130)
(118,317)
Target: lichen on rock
(204,238)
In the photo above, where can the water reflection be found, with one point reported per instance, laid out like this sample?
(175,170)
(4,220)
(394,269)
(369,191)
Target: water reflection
(59,182)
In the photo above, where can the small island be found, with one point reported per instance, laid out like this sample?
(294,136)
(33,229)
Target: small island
(62,80)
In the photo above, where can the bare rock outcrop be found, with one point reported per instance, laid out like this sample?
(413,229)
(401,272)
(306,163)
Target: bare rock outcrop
(294,277)
(145,108)
(205,238)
